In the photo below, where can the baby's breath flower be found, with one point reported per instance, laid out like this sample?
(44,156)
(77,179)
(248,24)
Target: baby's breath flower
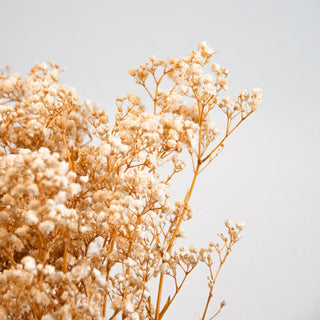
(49,270)
(46,226)
(86,219)
(240,225)
(31,218)
(228,223)
(75,188)
(84,179)
(164,267)
(244,95)
(29,263)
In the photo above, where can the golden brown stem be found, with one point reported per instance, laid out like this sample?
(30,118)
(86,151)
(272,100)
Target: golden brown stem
(186,201)
(65,252)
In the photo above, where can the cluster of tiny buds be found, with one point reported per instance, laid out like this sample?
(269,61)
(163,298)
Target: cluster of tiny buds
(239,225)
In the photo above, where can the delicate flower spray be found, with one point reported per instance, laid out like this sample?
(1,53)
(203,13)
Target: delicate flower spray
(86,222)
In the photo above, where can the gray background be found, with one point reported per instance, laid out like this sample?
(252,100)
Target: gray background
(268,174)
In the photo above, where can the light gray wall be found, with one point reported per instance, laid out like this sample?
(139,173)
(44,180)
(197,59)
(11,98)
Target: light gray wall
(268,174)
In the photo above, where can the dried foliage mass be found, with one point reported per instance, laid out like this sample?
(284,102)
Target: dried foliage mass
(86,222)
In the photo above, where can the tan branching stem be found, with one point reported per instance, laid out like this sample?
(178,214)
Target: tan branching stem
(65,251)
(219,310)
(171,242)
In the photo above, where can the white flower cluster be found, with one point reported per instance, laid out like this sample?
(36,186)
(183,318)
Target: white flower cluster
(86,220)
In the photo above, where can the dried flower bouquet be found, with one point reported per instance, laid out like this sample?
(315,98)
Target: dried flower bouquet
(86,222)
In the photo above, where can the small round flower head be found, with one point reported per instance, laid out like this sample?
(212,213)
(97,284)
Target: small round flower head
(84,179)
(164,267)
(205,49)
(48,270)
(228,223)
(244,95)
(46,226)
(240,225)
(256,93)
(216,68)
(31,218)
(28,263)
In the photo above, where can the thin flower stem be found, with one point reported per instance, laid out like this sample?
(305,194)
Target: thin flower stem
(120,164)
(65,251)
(186,201)
(225,137)
(221,306)
(178,288)
(68,153)
(210,295)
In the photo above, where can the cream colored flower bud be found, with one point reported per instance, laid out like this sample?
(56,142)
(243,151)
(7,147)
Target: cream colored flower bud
(244,95)
(240,225)
(215,67)
(29,263)
(192,249)
(133,72)
(228,223)
(164,267)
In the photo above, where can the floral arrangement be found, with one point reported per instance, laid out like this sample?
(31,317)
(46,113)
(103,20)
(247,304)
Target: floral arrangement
(87,228)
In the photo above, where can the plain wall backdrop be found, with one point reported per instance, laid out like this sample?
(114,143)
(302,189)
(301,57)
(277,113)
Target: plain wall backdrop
(268,174)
